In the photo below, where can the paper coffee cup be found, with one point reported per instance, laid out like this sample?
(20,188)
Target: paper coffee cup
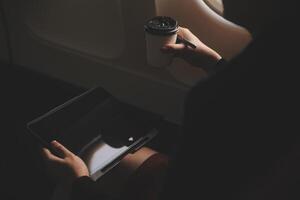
(159,31)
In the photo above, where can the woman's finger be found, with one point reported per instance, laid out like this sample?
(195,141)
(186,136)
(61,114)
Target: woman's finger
(185,33)
(61,150)
(178,50)
(48,156)
(182,31)
(173,48)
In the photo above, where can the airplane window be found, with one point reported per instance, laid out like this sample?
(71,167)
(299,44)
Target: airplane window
(216,5)
(93,27)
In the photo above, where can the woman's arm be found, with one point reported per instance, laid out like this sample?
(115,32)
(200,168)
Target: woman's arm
(138,176)
(202,56)
(70,174)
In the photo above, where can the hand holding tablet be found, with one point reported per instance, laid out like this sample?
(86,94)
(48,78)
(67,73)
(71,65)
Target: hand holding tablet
(97,127)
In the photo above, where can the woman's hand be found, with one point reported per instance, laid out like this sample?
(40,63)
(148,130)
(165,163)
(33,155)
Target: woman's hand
(66,167)
(201,56)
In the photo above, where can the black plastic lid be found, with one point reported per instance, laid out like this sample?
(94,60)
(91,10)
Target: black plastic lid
(161,25)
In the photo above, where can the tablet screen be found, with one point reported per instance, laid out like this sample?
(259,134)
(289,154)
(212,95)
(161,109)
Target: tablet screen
(94,124)
(76,122)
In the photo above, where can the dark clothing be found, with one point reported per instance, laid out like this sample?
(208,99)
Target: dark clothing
(240,122)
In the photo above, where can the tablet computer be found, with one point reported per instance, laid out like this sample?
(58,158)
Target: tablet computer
(98,127)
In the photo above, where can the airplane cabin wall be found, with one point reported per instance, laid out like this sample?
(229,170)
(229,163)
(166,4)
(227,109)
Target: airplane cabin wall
(95,42)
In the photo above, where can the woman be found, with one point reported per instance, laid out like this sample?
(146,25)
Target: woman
(239,130)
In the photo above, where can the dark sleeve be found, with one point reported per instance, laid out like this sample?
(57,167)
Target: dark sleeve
(86,188)
(214,119)
(228,142)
